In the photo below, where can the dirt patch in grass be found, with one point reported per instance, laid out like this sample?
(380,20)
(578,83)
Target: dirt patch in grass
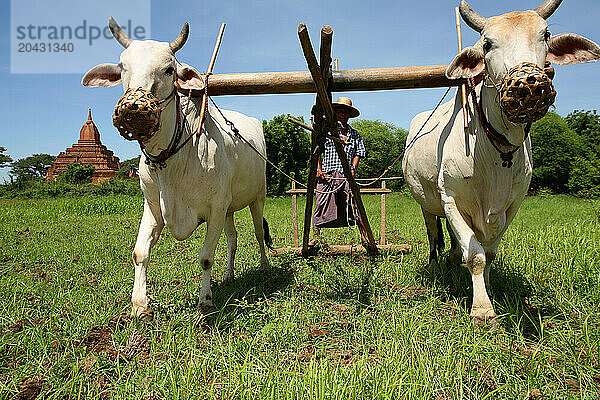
(572,386)
(443,396)
(19,325)
(407,292)
(317,331)
(485,376)
(333,355)
(100,344)
(26,322)
(535,394)
(23,233)
(30,388)
(137,345)
(38,274)
(98,340)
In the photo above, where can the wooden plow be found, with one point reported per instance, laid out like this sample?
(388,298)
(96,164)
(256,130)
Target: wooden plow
(345,249)
(322,80)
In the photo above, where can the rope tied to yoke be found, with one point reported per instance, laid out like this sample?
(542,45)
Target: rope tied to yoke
(301,184)
(236,132)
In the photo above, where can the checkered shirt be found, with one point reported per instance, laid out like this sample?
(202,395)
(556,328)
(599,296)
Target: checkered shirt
(355,147)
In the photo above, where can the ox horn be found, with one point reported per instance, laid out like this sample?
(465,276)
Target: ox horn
(118,33)
(474,20)
(181,39)
(547,8)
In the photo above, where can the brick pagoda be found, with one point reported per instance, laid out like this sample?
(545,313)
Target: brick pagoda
(88,150)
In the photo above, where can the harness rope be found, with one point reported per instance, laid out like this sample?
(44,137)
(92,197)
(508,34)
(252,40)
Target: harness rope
(160,160)
(301,184)
(493,135)
(237,133)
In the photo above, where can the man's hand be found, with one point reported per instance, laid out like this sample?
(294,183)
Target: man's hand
(354,165)
(321,175)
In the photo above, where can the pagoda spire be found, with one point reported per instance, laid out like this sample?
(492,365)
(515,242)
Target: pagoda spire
(89,132)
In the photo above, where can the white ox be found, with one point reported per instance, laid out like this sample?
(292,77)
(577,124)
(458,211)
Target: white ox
(459,175)
(209,179)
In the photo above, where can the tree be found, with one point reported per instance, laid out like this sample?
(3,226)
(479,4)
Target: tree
(587,125)
(4,159)
(384,143)
(555,146)
(128,166)
(288,147)
(34,166)
(584,179)
(77,173)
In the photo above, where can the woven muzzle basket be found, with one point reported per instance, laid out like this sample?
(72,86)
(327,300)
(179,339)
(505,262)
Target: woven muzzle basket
(526,93)
(137,114)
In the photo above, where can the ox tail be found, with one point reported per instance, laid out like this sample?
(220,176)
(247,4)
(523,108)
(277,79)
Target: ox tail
(440,235)
(268,239)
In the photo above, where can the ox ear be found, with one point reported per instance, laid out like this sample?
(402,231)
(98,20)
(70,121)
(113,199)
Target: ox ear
(189,78)
(104,75)
(468,63)
(569,48)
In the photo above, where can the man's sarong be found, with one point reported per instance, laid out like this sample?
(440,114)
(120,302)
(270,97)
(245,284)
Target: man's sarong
(332,209)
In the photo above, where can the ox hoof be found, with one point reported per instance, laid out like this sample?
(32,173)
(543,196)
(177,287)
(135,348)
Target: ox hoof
(142,312)
(484,316)
(206,305)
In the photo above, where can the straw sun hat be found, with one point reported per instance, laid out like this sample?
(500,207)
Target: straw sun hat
(345,102)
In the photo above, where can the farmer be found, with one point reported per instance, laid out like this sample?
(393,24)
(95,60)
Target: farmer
(332,204)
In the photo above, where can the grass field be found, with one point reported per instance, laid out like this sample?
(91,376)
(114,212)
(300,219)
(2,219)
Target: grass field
(324,328)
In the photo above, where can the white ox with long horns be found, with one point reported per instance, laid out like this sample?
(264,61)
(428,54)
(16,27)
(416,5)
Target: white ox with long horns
(477,179)
(204,180)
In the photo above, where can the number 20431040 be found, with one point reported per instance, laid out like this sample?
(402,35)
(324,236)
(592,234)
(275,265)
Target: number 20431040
(26,47)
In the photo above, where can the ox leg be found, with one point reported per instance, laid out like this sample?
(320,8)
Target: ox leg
(433,237)
(231,234)
(214,227)
(455,255)
(148,234)
(490,254)
(256,209)
(473,252)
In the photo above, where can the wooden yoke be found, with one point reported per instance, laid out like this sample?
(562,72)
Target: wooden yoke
(324,98)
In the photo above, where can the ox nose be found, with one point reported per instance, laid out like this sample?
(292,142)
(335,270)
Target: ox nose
(137,114)
(526,93)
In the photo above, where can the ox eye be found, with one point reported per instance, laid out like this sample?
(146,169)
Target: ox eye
(487,46)
(169,71)
(547,35)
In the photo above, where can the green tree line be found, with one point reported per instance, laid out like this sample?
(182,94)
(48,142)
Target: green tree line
(566,155)
(288,147)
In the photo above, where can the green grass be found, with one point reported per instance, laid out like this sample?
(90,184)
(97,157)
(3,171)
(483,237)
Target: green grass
(324,328)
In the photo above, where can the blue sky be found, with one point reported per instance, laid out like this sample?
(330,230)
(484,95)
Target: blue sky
(43,113)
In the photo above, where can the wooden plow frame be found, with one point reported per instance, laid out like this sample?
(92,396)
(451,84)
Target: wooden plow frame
(345,249)
(321,79)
